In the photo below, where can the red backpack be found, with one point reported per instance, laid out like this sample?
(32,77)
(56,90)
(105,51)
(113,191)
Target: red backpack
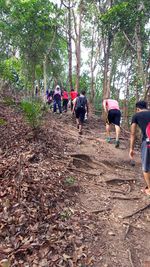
(148,134)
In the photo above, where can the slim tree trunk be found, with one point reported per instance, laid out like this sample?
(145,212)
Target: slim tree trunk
(45,73)
(70,47)
(141,73)
(93,60)
(92,91)
(78,54)
(33,81)
(126,101)
(77,40)
(106,81)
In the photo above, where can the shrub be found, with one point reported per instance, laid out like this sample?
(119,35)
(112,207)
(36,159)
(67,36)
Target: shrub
(33,112)
(70,180)
(9,101)
(2,122)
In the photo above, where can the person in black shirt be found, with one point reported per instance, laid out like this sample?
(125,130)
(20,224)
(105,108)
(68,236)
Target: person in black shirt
(142,119)
(80,107)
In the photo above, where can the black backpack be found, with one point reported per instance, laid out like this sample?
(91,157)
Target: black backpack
(81,102)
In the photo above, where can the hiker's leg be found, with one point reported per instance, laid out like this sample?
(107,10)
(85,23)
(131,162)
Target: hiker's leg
(54,106)
(77,121)
(59,106)
(66,107)
(80,127)
(117,128)
(71,105)
(77,117)
(82,116)
(63,105)
(147,180)
(108,128)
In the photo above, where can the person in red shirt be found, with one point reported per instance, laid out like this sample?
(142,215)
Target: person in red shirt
(65,98)
(73,95)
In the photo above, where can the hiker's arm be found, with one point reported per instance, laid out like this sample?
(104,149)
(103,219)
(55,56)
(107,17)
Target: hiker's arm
(132,140)
(74,104)
(87,107)
(105,105)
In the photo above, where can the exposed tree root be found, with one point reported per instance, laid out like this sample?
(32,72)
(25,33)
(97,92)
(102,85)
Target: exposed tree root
(145,206)
(82,171)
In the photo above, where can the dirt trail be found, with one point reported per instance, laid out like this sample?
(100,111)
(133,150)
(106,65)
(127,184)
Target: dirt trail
(70,200)
(119,234)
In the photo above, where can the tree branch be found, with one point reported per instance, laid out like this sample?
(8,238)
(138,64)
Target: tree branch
(132,46)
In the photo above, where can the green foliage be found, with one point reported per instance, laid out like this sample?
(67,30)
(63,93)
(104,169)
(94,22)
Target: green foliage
(123,16)
(30,26)
(115,17)
(2,122)
(66,214)
(70,180)
(9,69)
(33,112)
(84,82)
(9,101)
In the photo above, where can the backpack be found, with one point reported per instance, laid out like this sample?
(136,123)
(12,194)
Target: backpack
(81,102)
(148,134)
(49,99)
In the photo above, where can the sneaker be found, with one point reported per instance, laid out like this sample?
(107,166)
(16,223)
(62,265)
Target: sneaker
(117,143)
(108,139)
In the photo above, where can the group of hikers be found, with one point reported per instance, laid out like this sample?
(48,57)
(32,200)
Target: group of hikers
(79,107)
(77,102)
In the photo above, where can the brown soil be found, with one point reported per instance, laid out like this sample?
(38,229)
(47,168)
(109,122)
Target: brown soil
(70,200)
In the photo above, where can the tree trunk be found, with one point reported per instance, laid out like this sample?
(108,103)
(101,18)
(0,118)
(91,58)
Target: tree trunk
(141,74)
(77,39)
(45,73)
(78,55)
(33,81)
(93,61)
(106,81)
(92,91)
(126,101)
(70,47)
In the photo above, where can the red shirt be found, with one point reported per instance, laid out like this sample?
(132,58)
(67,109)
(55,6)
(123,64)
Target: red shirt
(73,94)
(65,95)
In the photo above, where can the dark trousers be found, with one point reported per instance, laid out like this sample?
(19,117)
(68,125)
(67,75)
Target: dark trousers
(71,105)
(57,102)
(65,104)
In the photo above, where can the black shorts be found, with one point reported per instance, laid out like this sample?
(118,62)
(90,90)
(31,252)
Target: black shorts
(80,114)
(114,116)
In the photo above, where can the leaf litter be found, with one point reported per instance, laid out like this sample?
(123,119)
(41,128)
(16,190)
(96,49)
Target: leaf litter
(38,226)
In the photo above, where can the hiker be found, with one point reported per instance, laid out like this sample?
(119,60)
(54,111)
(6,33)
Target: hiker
(142,119)
(80,107)
(47,92)
(57,99)
(73,95)
(36,91)
(65,98)
(112,110)
(50,98)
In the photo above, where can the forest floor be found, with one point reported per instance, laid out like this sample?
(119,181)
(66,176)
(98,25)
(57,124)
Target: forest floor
(69,200)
